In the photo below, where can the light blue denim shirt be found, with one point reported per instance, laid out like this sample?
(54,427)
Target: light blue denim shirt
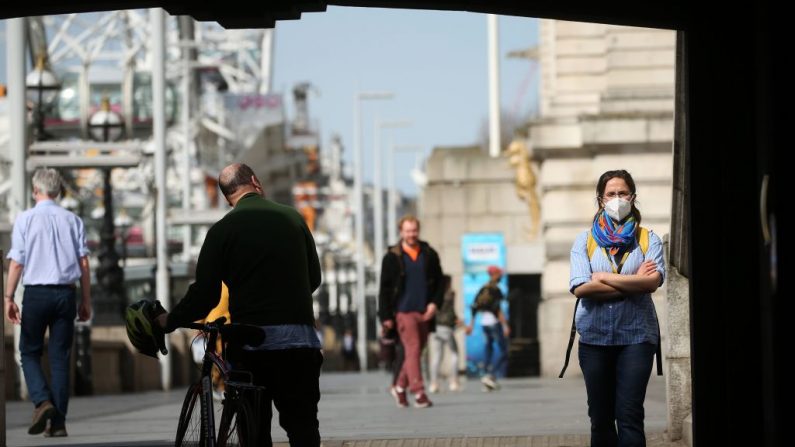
(631,320)
(49,241)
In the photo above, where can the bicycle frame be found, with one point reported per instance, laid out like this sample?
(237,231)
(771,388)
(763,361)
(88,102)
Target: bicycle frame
(210,358)
(214,356)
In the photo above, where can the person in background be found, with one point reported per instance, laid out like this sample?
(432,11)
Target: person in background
(410,293)
(49,254)
(349,358)
(495,328)
(444,336)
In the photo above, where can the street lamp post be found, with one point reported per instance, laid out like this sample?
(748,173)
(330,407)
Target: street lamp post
(378,206)
(42,88)
(17,149)
(104,125)
(392,211)
(361,311)
(494,85)
(123,221)
(158,44)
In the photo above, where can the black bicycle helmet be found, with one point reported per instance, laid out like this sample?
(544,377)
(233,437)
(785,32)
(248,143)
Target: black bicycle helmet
(147,337)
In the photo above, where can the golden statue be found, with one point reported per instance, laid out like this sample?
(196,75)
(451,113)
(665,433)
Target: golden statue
(519,156)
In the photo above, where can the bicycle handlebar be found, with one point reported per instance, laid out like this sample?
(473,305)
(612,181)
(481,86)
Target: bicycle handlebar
(235,333)
(205,327)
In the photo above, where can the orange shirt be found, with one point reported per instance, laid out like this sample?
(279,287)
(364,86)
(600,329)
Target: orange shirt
(412,251)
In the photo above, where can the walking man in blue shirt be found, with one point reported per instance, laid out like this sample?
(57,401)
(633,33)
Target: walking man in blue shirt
(49,253)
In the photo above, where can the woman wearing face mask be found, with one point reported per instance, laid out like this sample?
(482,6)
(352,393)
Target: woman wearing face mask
(616,320)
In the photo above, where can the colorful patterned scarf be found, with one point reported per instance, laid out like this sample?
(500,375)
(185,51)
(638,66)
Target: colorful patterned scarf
(613,236)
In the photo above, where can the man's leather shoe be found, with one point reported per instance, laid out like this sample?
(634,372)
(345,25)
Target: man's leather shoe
(44,412)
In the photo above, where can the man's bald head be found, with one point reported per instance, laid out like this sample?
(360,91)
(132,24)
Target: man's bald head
(233,177)
(237,180)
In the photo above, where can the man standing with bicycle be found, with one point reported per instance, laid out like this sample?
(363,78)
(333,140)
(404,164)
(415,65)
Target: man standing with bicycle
(265,254)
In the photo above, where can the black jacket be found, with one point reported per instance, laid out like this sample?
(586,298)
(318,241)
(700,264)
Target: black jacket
(266,255)
(393,279)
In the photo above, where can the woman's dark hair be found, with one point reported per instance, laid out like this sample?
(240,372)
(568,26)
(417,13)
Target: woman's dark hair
(602,184)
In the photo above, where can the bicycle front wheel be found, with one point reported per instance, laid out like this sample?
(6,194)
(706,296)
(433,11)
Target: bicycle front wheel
(237,427)
(190,432)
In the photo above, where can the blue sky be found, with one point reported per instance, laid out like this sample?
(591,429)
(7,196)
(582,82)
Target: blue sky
(435,62)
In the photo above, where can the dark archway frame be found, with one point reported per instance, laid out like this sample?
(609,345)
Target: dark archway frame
(732,113)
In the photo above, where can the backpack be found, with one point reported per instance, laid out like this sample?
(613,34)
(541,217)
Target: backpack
(446,316)
(591,246)
(484,299)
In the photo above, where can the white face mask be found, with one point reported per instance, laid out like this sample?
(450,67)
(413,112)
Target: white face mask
(618,208)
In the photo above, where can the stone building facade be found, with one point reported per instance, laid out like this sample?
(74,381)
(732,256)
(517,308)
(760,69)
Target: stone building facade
(606,102)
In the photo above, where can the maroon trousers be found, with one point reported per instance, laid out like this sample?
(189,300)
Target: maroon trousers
(413,335)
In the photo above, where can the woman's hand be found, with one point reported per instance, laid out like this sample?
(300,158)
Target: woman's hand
(599,276)
(648,268)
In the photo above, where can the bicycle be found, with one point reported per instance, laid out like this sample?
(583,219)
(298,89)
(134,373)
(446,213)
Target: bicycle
(238,425)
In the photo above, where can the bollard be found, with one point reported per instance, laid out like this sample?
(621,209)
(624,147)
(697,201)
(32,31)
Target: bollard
(84,382)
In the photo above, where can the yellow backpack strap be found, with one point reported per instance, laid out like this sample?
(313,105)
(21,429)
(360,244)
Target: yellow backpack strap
(590,245)
(643,240)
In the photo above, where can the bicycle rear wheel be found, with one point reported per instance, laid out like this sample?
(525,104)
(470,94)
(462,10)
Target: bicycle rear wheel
(190,432)
(237,427)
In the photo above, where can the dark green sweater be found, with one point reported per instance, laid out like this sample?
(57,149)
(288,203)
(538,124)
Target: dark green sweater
(266,255)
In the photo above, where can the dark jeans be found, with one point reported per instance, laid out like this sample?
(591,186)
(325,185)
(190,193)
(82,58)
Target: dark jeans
(615,379)
(495,359)
(54,308)
(290,378)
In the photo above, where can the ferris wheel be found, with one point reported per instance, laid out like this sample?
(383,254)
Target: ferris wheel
(106,57)
(110,53)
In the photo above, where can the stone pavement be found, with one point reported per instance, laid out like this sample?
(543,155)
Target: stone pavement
(356,411)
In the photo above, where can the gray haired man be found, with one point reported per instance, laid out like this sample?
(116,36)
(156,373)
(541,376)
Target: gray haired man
(49,253)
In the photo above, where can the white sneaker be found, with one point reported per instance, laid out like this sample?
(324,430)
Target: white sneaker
(490,382)
(455,386)
(433,388)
